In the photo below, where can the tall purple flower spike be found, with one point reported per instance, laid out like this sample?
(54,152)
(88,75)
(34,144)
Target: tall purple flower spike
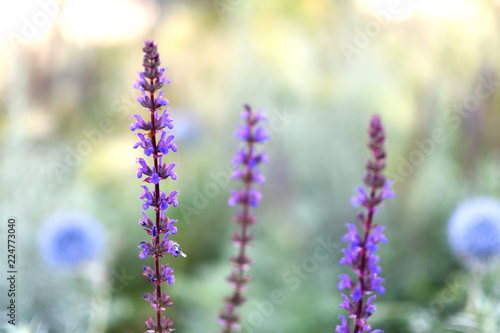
(156,142)
(246,162)
(360,252)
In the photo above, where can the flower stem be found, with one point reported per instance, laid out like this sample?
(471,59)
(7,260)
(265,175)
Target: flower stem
(157,213)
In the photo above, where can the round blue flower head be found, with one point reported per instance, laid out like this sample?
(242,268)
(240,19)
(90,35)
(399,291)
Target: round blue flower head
(68,240)
(474,230)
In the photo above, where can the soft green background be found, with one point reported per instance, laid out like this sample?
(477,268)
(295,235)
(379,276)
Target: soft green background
(319,69)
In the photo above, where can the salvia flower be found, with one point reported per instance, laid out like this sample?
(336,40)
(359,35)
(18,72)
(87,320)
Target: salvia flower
(474,231)
(67,240)
(361,248)
(246,162)
(156,141)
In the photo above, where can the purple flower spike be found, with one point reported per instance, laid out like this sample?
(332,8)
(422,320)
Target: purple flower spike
(155,179)
(156,142)
(360,253)
(246,162)
(145,250)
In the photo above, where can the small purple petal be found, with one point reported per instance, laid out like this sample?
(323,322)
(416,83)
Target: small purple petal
(356,293)
(360,198)
(343,327)
(345,282)
(261,135)
(386,193)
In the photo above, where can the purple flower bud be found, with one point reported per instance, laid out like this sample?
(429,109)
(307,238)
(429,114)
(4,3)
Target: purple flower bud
(360,198)
(160,100)
(369,309)
(357,293)
(386,193)
(347,303)
(164,120)
(260,135)
(352,237)
(144,143)
(165,144)
(243,132)
(144,169)
(345,282)
(169,276)
(343,327)
(145,250)
(140,124)
(140,82)
(254,197)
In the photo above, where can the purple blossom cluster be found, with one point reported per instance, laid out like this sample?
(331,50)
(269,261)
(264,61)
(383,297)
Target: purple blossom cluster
(246,165)
(156,142)
(361,249)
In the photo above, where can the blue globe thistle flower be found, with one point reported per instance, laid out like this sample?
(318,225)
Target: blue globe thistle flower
(474,230)
(68,240)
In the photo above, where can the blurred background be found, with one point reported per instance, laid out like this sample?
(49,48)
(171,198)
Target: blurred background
(319,69)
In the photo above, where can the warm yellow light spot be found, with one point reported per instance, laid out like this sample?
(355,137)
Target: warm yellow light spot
(391,10)
(107,21)
(397,10)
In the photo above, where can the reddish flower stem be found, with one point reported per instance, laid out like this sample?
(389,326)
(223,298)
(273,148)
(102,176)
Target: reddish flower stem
(367,224)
